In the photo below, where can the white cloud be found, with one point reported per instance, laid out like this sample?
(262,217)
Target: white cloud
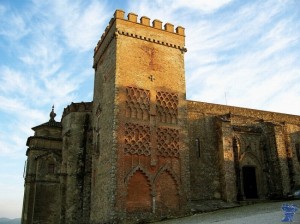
(250,55)
(52,72)
(207,6)
(47,60)
(78,22)
(175,9)
(44,53)
(11,81)
(9,20)
(12,146)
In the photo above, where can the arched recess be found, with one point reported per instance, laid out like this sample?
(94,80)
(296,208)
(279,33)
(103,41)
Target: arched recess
(167,195)
(248,158)
(251,172)
(138,193)
(48,163)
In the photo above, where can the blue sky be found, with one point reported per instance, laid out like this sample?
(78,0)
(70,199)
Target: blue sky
(248,50)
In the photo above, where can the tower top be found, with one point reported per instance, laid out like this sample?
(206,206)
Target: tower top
(154,32)
(144,20)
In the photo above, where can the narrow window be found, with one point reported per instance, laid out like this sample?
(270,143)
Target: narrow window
(94,178)
(51,168)
(297,146)
(98,144)
(198,148)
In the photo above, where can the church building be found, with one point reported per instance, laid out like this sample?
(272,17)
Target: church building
(140,151)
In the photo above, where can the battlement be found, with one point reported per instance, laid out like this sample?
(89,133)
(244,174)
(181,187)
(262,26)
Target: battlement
(119,14)
(78,107)
(144,21)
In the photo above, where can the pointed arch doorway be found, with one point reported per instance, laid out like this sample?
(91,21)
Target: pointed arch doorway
(249,182)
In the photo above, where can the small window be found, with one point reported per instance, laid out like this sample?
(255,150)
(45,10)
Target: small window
(297,147)
(248,149)
(51,168)
(198,148)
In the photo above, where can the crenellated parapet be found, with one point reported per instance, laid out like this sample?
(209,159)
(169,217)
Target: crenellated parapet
(78,107)
(164,34)
(144,20)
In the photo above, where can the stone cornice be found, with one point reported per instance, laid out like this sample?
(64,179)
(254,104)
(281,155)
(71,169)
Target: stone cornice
(134,35)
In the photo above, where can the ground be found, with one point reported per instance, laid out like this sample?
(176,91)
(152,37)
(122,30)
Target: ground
(267,213)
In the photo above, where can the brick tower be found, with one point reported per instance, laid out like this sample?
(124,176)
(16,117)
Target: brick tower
(140,156)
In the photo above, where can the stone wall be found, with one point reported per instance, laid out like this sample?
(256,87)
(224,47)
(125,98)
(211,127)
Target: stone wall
(76,163)
(204,157)
(235,138)
(41,203)
(104,132)
(217,109)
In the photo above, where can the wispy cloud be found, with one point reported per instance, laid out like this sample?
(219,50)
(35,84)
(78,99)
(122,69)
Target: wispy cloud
(46,58)
(200,5)
(9,19)
(176,10)
(78,23)
(251,57)
(53,44)
(248,51)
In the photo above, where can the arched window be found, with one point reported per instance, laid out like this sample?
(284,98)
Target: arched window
(51,168)
(198,147)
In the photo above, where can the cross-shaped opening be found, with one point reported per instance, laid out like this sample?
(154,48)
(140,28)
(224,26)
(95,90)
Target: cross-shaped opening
(152,78)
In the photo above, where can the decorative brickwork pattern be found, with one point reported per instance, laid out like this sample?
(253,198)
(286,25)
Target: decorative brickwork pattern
(137,103)
(137,139)
(138,193)
(167,197)
(167,107)
(168,142)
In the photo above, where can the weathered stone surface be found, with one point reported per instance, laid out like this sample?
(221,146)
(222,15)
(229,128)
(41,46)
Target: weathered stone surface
(42,180)
(141,152)
(237,138)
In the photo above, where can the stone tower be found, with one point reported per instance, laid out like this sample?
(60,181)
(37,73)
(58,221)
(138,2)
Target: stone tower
(140,156)
(76,163)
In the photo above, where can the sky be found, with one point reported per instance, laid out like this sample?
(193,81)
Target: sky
(242,53)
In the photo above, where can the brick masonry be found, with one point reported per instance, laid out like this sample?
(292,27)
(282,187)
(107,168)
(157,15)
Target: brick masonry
(142,152)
